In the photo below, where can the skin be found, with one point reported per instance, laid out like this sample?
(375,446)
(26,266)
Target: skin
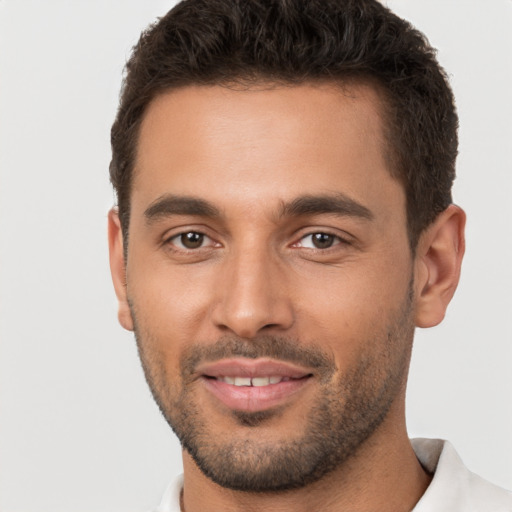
(247,153)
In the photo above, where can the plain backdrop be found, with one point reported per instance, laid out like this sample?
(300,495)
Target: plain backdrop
(78,429)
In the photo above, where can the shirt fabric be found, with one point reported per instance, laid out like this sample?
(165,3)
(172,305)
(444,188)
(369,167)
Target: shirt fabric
(453,488)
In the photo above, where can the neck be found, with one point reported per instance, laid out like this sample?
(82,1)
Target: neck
(383,475)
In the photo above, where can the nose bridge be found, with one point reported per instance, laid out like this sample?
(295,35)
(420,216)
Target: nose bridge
(253,292)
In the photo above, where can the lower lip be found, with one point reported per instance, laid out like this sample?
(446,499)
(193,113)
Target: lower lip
(254,398)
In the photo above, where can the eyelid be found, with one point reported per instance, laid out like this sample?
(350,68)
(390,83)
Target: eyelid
(341,238)
(170,237)
(336,241)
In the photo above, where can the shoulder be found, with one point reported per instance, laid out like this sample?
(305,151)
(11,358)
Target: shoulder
(171,498)
(454,488)
(487,496)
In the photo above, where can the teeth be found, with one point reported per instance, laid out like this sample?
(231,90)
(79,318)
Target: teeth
(242,381)
(260,381)
(255,381)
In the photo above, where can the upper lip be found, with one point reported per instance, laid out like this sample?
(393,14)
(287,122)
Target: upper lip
(243,367)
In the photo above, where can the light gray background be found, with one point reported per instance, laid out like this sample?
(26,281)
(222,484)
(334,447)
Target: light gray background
(78,429)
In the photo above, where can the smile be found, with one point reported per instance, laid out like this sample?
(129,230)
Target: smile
(254,381)
(253,385)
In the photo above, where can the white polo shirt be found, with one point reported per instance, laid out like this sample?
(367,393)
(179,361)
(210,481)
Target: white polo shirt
(453,489)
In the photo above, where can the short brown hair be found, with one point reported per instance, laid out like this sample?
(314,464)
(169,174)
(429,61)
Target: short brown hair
(208,42)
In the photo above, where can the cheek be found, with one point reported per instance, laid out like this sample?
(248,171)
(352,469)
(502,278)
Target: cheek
(351,308)
(170,302)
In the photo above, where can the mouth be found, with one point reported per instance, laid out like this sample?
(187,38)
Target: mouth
(252,381)
(253,385)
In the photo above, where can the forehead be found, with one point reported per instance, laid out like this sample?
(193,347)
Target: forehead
(237,145)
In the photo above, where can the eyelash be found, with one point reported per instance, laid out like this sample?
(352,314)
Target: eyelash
(336,240)
(171,241)
(176,241)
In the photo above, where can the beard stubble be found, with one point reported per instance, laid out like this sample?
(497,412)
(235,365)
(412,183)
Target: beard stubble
(348,410)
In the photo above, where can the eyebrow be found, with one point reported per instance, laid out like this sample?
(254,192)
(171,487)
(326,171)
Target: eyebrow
(169,205)
(337,204)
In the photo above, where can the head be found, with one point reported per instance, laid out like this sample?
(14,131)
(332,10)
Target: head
(283,172)
(239,44)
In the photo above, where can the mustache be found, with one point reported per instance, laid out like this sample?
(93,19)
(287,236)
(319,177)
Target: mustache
(274,347)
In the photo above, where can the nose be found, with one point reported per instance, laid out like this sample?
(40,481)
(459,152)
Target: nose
(252,296)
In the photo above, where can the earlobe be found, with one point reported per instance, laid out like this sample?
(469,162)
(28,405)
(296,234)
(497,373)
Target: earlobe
(437,266)
(118,268)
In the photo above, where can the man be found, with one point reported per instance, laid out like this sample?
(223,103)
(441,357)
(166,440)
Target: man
(283,172)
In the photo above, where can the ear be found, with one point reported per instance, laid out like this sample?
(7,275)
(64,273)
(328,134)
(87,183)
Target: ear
(437,265)
(118,268)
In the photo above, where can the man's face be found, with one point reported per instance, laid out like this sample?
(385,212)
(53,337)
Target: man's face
(269,278)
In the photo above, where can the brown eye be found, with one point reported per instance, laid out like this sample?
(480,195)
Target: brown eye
(191,243)
(319,240)
(322,240)
(190,240)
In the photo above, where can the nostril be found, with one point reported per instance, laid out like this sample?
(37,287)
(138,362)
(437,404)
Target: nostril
(270,326)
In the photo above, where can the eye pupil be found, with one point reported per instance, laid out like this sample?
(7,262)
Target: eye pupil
(322,240)
(192,240)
